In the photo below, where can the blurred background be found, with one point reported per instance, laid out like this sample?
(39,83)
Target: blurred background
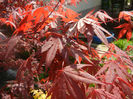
(113,7)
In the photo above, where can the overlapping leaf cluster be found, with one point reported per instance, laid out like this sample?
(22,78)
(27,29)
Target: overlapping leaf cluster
(126,28)
(50,33)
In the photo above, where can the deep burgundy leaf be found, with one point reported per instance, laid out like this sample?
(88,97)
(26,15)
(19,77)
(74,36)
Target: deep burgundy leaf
(111,70)
(80,75)
(66,88)
(82,55)
(74,89)
(46,45)
(51,53)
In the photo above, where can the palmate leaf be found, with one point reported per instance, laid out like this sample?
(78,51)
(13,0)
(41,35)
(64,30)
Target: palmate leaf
(117,67)
(92,26)
(123,56)
(17,14)
(50,47)
(54,44)
(126,15)
(66,88)
(80,25)
(127,83)
(89,26)
(111,69)
(103,16)
(33,18)
(126,29)
(72,30)
(73,72)
(66,84)
(126,26)
(119,54)
(76,53)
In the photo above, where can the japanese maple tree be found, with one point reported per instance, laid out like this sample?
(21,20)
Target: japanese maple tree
(58,61)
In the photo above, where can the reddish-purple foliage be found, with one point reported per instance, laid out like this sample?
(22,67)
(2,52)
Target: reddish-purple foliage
(126,28)
(49,33)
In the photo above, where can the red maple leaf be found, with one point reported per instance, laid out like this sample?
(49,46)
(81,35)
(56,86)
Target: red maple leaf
(126,29)
(67,83)
(116,67)
(125,15)
(103,16)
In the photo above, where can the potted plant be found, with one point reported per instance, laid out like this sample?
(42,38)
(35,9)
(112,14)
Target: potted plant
(57,63)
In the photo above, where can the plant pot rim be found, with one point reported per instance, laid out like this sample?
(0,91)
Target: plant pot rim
(98,41)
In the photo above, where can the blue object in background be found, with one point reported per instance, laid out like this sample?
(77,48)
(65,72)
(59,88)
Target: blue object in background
(98,41)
